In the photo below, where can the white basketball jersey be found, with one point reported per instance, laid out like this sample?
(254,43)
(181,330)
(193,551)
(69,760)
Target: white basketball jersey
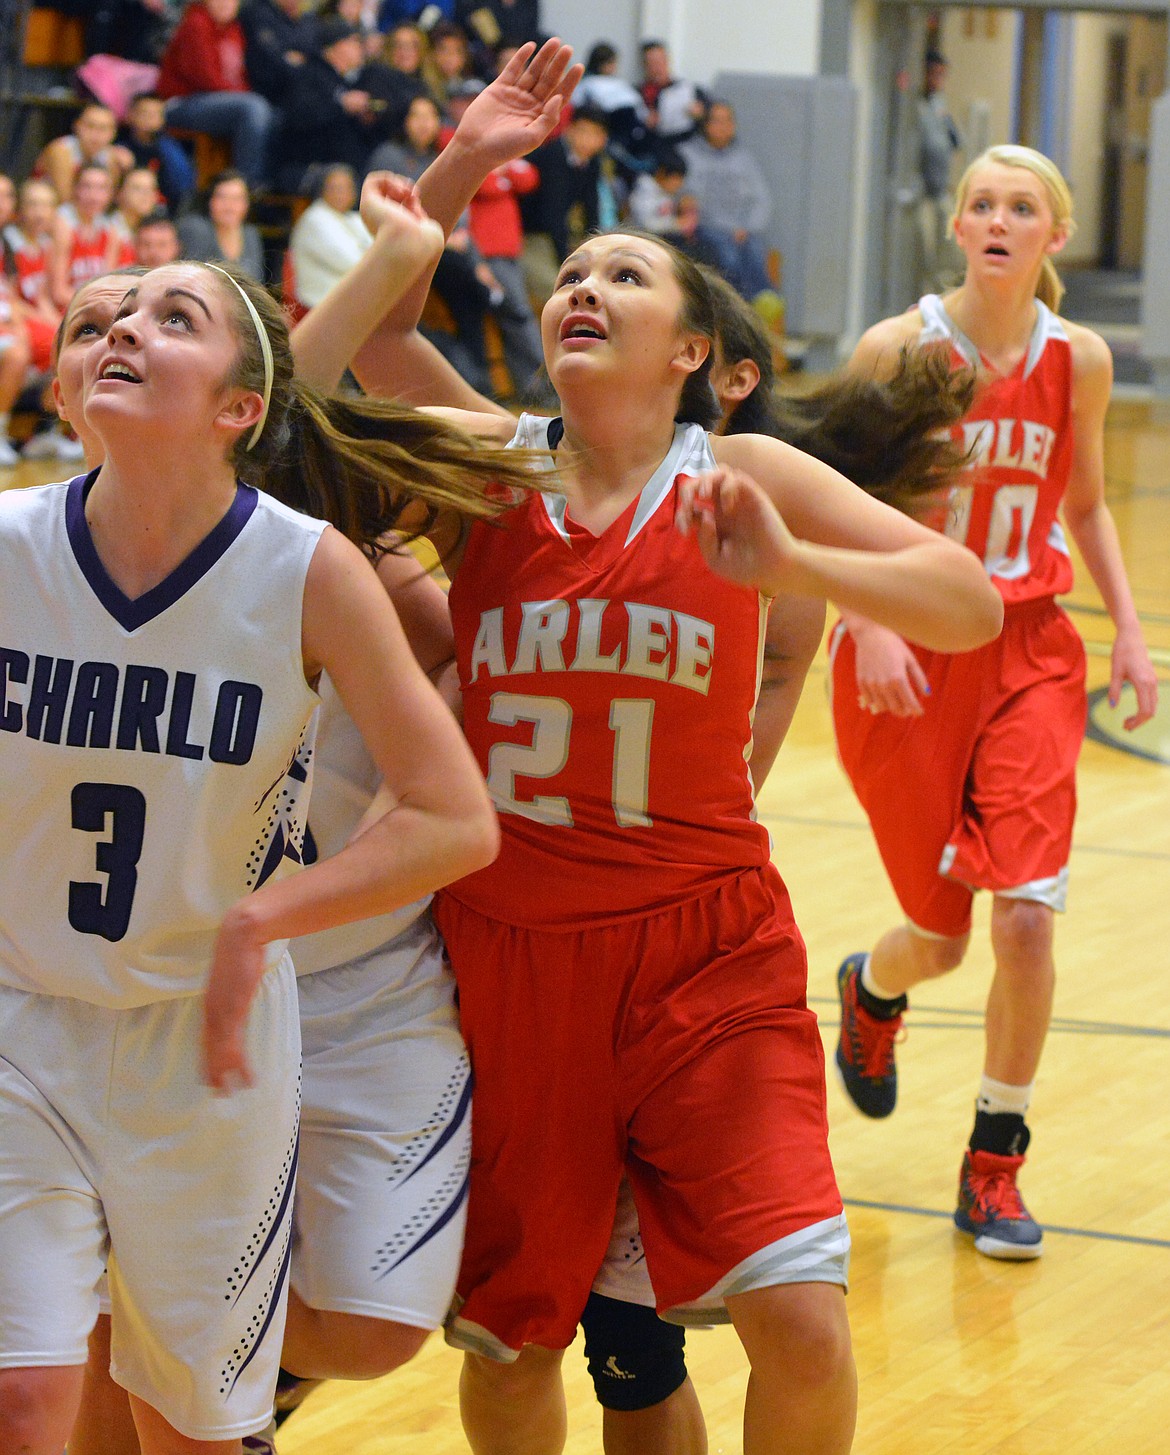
(345,780)
(153,752)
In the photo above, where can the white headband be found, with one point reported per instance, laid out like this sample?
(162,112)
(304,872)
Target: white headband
(265,349)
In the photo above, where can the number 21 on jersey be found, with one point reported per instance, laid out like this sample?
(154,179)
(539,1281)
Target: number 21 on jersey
(631,721)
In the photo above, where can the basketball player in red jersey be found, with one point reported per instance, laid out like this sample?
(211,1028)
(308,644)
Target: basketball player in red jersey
(85,241)
(632,986)
(966,764)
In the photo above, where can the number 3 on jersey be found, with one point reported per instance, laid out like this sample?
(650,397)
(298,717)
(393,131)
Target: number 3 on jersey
(120,811)
(631,720)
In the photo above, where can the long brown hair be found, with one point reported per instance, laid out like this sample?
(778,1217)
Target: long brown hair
(357,462)
(887,436)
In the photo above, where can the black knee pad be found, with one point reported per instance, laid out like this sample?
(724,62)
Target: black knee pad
(635,1359)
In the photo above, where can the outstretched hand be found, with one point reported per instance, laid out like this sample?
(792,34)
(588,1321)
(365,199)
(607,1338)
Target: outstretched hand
(391,202)
(738,529)
(521,106)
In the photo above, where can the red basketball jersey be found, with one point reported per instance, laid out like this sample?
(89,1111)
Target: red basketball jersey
(609,684)
(1019,434)
(30,258)
(89,252)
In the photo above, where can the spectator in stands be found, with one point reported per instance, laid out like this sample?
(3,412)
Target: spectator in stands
(498,234)
(90,141)
(138,197)
(654,200)
(145,138)
(452,57)
(14,364)
(674,107)
(85,240)
(157,241)
(568,203)
(7,202)
(514,21)
(329,115)
(465,291)
(221,232)
(363,14)
(137,30)
(205,81)
(407,52)
(329,237)
(733,199)
(604,90)
(27,246)
(279,36)
(393,12)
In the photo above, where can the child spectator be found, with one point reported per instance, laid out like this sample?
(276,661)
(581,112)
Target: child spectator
(568,202)
(221,232)
(137,198)
(328,238)
(145,138)
(91,141)
(85,240)
(452,57)
(654,200)
(28,243)
(14,363)
(156,241)
(204,78)
(602,89)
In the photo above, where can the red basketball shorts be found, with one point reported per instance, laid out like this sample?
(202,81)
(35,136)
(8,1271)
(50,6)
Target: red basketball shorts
(677,1046)
(979,792)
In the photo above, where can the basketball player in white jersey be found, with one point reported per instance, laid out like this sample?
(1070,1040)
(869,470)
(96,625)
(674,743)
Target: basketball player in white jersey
(163,624)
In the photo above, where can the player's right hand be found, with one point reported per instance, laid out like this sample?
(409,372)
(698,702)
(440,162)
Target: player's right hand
(889,676)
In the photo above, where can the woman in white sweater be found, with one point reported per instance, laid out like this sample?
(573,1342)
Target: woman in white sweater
(328,238)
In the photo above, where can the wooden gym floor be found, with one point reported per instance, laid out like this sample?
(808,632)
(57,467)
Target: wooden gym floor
(959,1355)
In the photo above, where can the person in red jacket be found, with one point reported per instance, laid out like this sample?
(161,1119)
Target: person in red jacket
(206,87)
(498,233)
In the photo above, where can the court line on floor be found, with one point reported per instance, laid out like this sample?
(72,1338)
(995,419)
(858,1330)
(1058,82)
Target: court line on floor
(962,1018)
(1097,1235)
(811,822)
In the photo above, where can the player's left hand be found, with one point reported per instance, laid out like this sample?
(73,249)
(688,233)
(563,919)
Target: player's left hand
(522,105)
(1131,663)
(738,529)
(237,967)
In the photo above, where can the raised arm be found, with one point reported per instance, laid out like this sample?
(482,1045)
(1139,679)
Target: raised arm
(826,538)
(441,825)
(406,244)
(1092,527)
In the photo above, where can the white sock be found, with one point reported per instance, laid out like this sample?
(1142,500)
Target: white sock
(998,1096)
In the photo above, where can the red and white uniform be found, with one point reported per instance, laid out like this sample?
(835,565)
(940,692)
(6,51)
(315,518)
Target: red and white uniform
(93,247)
(29,259)
(981,788)
(631,953)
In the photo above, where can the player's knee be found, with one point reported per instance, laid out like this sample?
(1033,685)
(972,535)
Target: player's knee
(635,1359)
(33,1403)
(529,1378)
(1022,931)
(798,1333)
(385,1346)
(940,956)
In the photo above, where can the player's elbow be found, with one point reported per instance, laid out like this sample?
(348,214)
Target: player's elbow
(980,617)
(479,837)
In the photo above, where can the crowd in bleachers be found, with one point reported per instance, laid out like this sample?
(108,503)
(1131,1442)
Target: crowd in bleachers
(194,117)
